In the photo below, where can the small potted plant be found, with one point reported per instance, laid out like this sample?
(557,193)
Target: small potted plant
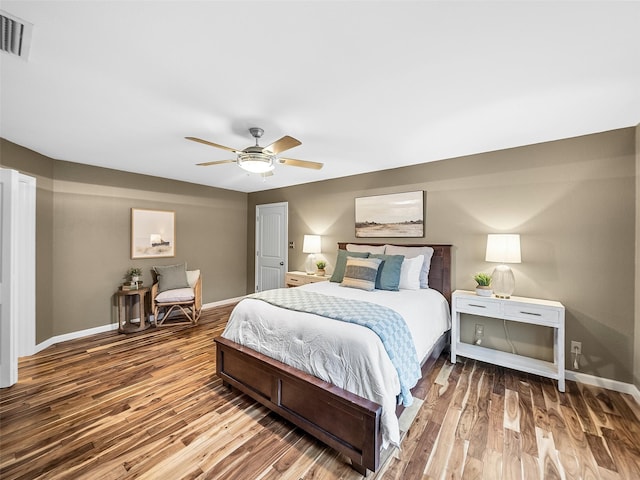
(134,274)
(321,264)
(484,284)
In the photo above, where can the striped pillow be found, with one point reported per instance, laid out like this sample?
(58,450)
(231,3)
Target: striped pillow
(361,273)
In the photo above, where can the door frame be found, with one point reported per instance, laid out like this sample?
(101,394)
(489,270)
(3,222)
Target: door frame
(18,268)
(257,240)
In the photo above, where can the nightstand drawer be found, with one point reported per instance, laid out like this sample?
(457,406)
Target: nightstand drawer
(293,280)
(531,314)
(479,307)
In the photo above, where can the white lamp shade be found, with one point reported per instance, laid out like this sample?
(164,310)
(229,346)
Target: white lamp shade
(503,248)
(311,244)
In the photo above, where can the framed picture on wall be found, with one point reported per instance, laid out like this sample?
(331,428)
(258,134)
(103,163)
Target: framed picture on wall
(153,233)
(392,215)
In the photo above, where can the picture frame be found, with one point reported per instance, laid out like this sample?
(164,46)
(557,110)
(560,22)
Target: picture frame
(398,215)
(153,233)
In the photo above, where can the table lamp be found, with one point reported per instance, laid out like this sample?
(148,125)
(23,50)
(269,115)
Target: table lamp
(503,248)
(311,245)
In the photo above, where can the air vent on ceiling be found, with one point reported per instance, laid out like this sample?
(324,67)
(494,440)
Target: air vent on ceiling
(15,35)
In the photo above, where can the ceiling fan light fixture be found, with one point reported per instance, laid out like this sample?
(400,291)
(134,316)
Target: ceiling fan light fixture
(256,162)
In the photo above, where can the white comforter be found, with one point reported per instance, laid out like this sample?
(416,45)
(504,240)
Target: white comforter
(347,355)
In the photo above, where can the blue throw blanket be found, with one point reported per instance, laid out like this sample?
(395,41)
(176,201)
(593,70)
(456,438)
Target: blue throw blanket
(385,322)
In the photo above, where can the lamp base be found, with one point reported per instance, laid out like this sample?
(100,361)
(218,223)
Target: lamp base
(310,264)
(503,281)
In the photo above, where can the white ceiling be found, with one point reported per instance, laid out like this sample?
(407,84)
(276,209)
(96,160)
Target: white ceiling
(364,85)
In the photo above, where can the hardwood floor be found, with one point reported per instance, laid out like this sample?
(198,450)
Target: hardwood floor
(149,406)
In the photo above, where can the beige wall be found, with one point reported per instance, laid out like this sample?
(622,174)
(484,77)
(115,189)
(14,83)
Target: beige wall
(83,237)
(572,201)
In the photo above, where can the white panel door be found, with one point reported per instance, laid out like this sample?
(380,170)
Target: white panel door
(271,245)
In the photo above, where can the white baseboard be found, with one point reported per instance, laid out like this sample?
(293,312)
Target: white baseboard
(113,326)
(607,383)
(73,335)
(221,303)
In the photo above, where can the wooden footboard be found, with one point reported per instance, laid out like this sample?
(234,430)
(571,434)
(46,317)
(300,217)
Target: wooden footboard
(346,422)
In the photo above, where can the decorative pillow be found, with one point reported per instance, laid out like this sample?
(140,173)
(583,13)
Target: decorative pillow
(389,272)
(171,276)
(377,249)
(176,295)
(410,273)
(361,273)
(410,252)
(341,262)
(192,277)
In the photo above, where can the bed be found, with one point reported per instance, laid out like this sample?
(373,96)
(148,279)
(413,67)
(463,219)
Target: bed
(351,419)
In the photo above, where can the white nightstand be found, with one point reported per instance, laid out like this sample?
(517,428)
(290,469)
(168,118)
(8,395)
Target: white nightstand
(515,309)
(295,279)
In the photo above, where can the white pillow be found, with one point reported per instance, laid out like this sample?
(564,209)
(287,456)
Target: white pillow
(352,247)
(175,295)
(411,252)
(410,273)
(192,277)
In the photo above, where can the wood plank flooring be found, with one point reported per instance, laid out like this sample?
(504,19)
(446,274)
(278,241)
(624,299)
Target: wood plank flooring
(149,406)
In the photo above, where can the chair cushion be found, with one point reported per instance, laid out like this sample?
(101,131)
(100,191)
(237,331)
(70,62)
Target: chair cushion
(171,276)
(176,295)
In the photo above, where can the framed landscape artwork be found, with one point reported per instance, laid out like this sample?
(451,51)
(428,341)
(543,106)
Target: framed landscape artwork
(393,215)
(152,233)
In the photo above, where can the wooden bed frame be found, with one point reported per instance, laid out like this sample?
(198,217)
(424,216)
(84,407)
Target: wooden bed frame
(344,421)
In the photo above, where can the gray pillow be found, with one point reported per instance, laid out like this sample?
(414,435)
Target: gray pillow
(411,252)
(171,277)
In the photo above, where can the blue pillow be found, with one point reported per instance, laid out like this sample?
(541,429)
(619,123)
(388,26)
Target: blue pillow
(341,263)
(389,272)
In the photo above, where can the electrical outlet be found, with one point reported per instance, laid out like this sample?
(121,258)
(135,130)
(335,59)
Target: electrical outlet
(576,347)
(479,330)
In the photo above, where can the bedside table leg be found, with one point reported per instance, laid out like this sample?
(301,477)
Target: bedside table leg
(455,334)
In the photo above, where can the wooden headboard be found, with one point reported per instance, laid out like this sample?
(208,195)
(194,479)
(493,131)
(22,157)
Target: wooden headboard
(440,271)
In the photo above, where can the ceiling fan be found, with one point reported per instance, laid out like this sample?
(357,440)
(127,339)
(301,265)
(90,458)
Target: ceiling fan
(257,159)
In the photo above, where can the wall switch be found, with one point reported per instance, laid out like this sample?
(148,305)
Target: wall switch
(576,347)
(292,244)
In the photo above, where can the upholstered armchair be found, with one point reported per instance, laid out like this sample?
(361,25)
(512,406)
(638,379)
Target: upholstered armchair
(176,291)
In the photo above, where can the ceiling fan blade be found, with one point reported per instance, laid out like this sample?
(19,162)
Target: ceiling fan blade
(285,143)
(301,163)
(217,162)
(211,144)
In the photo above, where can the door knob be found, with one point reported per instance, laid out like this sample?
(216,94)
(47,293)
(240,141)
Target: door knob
(281,263)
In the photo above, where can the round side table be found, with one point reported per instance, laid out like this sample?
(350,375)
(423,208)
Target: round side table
(132,310)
